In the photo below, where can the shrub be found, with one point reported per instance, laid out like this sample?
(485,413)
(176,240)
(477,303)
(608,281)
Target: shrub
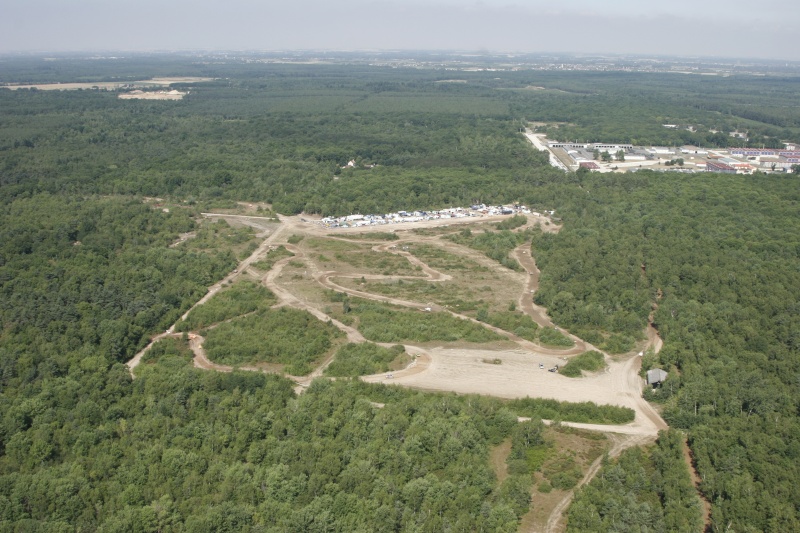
(589,361)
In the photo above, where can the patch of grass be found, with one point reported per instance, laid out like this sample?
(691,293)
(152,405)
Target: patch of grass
(441,259)
(216,234)
(587,412)
(238,299)
(335,245)
(512,223)
(519,324)
(353,360)
(562,471)
(384,323)
(287,336)
(589,361)
(536,456)
(385,263)
(494,244)
(363,258)
(553,337)
(272,257)
(295,239)
(375,236)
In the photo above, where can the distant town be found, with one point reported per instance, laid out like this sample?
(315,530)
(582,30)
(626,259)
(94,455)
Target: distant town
(610,157)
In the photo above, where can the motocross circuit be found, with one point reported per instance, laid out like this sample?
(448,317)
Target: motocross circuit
(390,271)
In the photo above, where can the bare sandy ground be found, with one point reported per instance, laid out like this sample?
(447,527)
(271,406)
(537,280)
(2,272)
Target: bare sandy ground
(108,85)
(460,370)
(157,95)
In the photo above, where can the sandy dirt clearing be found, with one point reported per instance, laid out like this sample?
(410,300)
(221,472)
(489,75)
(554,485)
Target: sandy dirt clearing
(108,85)
(522,371)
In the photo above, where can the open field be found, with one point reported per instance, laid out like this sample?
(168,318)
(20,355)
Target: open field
(512,368)
(106,85)
(458,367)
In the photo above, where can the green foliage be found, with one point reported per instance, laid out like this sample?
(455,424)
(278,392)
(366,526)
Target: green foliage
(285,335)
(169,352)
(718,257)
(513,222)
(440,259)
(384,323)
(365,358)
(372,236)
(84,447)
(562,472)
(495,244)
(273,256)
(535,457)
(588,361)
(639,490)
(553,337)
(199,450)
(294,239)
(527,438)
(618,343)
(517,323)
(239,299)
(588,412)
(94,275)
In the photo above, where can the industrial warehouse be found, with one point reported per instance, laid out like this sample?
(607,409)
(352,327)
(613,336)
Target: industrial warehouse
(609,157)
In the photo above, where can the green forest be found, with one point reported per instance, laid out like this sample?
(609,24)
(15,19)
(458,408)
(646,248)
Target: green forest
(95,190)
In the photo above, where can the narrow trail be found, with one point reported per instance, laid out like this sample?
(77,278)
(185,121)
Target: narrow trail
(557,520)
(688,457)
(622,437)
(622,377)
(257,255)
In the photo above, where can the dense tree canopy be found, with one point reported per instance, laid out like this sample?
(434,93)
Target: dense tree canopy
(88,273)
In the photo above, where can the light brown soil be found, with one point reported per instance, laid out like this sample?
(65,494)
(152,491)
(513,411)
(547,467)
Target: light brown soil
(457,368)
(497,458)
(585,452)
(108,85)
(688,457)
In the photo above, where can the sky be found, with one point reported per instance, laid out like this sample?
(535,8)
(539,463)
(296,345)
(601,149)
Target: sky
(721,28)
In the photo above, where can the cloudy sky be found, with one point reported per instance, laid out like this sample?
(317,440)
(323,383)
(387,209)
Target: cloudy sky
(729,28)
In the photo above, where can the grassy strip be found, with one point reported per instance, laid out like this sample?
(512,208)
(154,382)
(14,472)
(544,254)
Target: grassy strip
(494,244)
(584,412)
(286,336)
(273,256)
(514,222)
(353,360)
(553,337)
(589,361)
(239,299)
(384,323)
(517,323)
(375,236)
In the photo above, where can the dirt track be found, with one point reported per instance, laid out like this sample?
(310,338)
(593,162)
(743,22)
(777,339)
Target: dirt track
(461,370)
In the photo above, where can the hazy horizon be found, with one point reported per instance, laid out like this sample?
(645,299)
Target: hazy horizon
(713,28)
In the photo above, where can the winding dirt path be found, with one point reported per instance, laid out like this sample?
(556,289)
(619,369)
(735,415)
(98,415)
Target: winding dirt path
(556,522)
(454,369)
(688,457)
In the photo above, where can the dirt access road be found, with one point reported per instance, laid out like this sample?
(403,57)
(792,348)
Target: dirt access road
(460,370)
(463,370)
